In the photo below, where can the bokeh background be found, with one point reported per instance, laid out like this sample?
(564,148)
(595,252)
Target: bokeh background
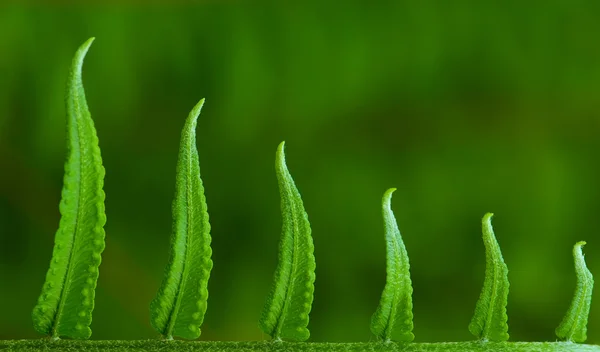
(465,106)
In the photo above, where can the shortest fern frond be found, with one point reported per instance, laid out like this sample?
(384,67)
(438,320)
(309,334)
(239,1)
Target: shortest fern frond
(573,327)
(490,321)
(393,319)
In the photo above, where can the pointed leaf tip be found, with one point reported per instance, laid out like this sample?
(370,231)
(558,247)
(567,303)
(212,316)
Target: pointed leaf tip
(393,319)
(490,321)
(198,108)
(82,51)
(86,45)
(280,158)
(487,219)
(388,194)
(573,327)
(281,148)
(192,120)
(286,312)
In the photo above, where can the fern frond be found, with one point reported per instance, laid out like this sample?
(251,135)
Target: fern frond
(490,321)
(393,319)
(574,325)
(64,308)
(179,307)
(285,315)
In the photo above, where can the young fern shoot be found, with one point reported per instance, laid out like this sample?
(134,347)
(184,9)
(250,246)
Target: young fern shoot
(285,314)
(179,307)
(393,319)
(490,321)
(574,325)
(64,308)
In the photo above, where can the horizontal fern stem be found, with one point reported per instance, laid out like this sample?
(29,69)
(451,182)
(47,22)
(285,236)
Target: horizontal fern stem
(268,346)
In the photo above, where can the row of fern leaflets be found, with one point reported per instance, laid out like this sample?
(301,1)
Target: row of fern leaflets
(65,306)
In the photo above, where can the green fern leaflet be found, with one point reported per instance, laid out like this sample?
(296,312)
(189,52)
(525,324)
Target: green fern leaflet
(574,325)
(393,319)
(490,321)
(179,307)
(285,315)
(65,306)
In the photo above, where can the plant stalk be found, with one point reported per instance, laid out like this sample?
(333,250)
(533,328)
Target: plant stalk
(272,346)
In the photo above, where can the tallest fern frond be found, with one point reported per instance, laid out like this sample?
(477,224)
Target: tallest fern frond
(65,306)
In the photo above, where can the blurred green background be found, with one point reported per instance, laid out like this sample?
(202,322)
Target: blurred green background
(464,106)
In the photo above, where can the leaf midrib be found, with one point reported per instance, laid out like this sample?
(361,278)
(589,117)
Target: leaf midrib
(291,279)
(189,211)
(582,298)
(80,186)
(494,251)
(395,292)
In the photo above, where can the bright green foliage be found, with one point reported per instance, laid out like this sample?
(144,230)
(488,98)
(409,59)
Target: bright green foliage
(490,321)
(574,325)
(65,306)
(179,307)
(285,315)
(393,319)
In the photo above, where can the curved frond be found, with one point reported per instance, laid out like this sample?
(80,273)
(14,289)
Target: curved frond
(574,325)
(393,319)
(490,321)
(285,315)
(64,309)
(179,307)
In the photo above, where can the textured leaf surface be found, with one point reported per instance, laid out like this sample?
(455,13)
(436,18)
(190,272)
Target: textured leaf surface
(65,306)
(179,307)
(285,315)
(490,321)
(393,319)
(574,325)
